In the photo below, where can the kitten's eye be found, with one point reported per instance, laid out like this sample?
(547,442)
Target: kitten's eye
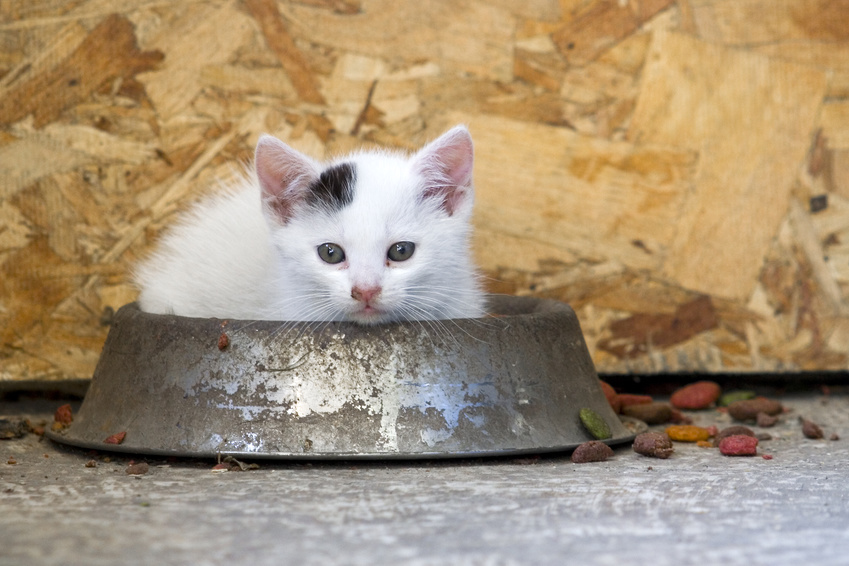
(331,253)
(401,251)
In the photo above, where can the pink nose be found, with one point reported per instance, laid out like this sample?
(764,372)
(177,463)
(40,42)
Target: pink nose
(365,295)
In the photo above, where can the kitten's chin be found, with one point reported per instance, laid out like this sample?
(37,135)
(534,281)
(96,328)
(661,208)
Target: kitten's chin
(370,315)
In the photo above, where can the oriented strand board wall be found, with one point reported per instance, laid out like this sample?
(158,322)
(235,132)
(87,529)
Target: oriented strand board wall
(676,170)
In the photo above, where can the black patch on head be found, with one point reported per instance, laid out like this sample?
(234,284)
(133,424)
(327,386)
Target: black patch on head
(335,187)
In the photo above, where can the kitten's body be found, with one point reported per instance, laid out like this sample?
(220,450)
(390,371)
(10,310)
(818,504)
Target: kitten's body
(253,252)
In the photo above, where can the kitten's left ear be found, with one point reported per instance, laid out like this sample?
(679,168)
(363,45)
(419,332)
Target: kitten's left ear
(446,164)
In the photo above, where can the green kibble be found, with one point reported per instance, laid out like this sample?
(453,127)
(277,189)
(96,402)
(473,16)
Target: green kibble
(594,424)
(736,395)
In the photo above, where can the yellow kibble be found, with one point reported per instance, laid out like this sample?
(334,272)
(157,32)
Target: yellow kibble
(687,433)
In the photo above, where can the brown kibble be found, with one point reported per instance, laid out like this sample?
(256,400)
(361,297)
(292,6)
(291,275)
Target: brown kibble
(63,415)
(699,395)
(11,461)
(628,399)
(650,413)
(91,464)
(137,469)
(738,445)
(811,429)
(611,395)
(653,444)
(732,431)
(764,420)
(592,451)
(834,436)
(680,418)
(747,410)
(223,341)
(116,438)
(687,433)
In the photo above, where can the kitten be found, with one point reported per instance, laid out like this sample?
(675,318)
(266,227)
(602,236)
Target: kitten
(374,237)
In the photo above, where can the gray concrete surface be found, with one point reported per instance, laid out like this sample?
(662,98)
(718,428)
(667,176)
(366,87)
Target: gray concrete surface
(698,507)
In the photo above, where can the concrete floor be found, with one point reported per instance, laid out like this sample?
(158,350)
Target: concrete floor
(698,507)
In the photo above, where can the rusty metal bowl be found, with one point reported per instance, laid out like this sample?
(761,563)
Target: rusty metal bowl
(511,383)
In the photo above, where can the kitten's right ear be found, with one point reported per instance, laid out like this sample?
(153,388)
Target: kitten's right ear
(284,176)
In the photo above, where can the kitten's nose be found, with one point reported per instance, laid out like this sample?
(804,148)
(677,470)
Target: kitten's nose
(365,294)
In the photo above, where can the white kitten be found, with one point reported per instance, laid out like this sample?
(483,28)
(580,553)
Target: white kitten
(373,237)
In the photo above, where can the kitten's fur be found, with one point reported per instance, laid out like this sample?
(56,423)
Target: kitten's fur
(253,253)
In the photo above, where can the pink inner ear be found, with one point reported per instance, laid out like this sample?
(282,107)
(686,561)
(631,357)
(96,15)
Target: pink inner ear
(446,163)
(284,175)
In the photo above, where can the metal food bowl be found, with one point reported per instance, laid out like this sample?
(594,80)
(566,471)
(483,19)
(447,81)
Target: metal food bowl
(510,383)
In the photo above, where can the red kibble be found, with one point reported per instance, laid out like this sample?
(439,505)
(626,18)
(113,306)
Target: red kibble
(116,438)
(738,445)
(699,395)
(63,415)
(612,396)
(223,341)
(627,399)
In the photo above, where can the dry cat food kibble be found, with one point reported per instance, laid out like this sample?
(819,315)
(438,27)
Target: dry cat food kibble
(680,418)
(595,424)
(653,444)
(738,445)
(628,399)
(687,433)
(765,421)
(592,451)
(611,395)
(137,468)
(732,431)
(699,395)
(811,429)
(63,415)
(223,341)
(116,438)
(650,413)
(748,410)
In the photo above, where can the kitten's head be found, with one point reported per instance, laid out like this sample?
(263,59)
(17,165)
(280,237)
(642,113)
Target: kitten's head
(374,237)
